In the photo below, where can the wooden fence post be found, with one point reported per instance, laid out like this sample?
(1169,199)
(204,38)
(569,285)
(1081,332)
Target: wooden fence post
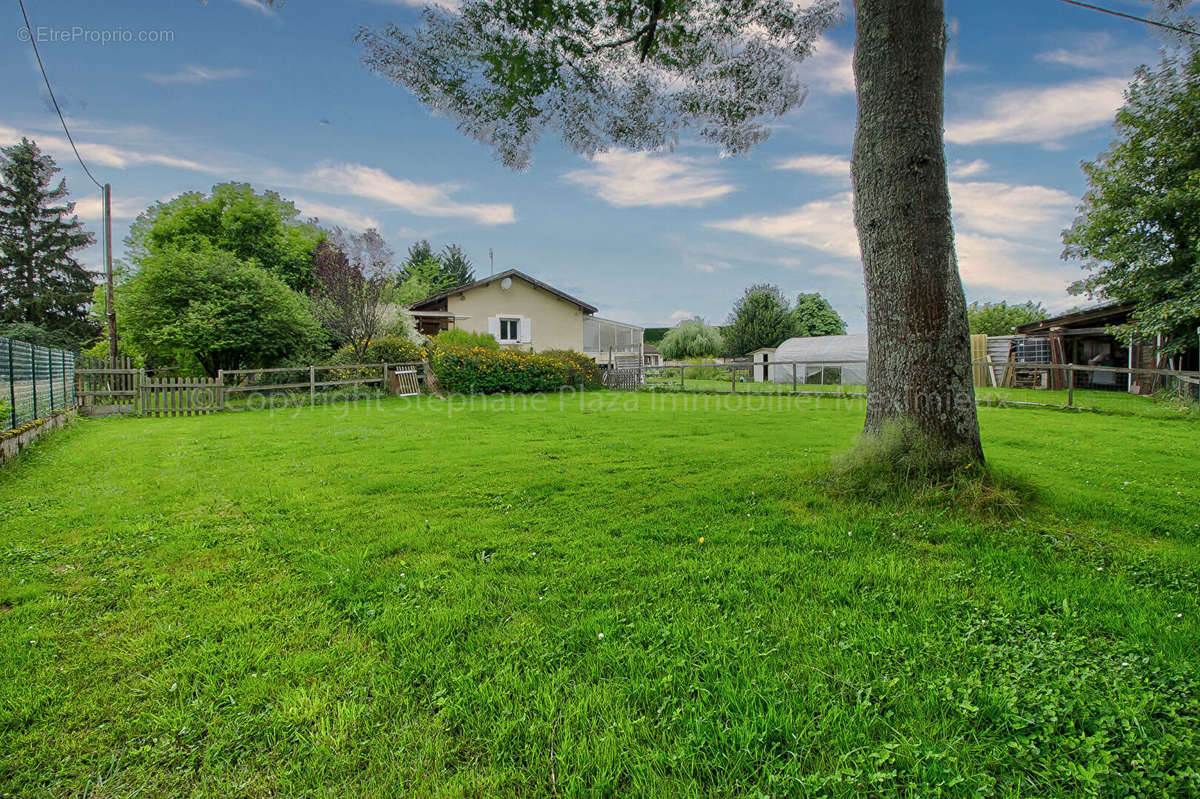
(312,385)
(681,377)
(795,383)
(733,378)
(1070,384)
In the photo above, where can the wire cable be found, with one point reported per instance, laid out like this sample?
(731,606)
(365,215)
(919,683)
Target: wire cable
(61,118)
(1169,27)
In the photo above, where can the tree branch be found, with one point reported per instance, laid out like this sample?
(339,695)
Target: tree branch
(633,37)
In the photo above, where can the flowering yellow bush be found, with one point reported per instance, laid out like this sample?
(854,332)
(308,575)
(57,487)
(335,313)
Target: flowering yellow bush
(476,370)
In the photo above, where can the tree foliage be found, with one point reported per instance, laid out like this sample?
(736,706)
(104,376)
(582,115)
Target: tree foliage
(624,73)
(812,315)
(999,318)
(263,228)
(436,272)
(43,288)
(353,274)
(761,317)
(691,339)
(457,268)
(209,305)
(1138,232)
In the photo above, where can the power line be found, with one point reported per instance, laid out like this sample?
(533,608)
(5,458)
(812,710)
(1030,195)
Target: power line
(61,118)
(1169,27)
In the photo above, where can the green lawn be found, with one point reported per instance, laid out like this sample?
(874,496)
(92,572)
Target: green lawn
(1090,399)
(627,594)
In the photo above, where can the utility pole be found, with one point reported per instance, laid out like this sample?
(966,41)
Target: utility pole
(492,259)
(109,306)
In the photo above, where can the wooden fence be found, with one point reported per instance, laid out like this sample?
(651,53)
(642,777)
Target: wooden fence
(104,385)
(181,396)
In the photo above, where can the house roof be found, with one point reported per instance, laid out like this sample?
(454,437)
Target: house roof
(432,298)
(650,349)
(1109,313)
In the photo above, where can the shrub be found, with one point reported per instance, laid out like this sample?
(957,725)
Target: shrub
(582,371)
(476,370)
(705,372)
(393,349)
(455,337)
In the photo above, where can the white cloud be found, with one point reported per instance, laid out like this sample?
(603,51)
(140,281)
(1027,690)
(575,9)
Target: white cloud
(257,5)
(1043,115)
(830,166)
(91,209)
(1013,269)
(826,225)
(627,179)
(1005,209)
(830,67)
(422,199)
(333,214)
(105,155)
(449,5)
(1099,52)
(1006,234)
(194,73)
(678,316)
(969,169)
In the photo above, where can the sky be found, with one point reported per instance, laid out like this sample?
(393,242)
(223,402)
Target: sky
(164,98)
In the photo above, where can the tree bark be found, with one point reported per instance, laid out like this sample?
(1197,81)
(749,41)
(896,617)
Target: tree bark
(919,353)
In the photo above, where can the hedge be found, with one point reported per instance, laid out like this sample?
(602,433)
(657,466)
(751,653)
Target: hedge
(475,370)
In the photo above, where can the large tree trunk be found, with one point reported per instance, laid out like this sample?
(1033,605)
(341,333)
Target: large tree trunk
(919,359)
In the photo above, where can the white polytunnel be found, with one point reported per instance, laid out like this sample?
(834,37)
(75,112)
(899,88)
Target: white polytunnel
(822,359)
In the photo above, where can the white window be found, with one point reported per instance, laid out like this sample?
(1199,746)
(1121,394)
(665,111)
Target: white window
(510,330)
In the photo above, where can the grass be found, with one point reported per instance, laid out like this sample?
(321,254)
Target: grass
(1090,399)
(625,594)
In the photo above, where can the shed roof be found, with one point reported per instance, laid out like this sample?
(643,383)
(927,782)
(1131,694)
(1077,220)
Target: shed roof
(1110,313)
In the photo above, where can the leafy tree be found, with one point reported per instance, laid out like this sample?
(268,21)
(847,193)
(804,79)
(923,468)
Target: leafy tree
(209,305)
(1138,232)
(761,317)
(691,339)
(427,273)
(457,269)
(353,273)
(43,288)
(999,318)
(409,290)
(634,74)
(263,228)
(625,73)
(32,334)
(814,316)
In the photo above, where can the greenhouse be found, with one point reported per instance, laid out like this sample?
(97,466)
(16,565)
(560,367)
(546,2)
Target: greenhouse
(824,360)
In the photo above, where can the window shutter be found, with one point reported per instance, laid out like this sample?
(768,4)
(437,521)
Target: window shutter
(494,327)
(526,328)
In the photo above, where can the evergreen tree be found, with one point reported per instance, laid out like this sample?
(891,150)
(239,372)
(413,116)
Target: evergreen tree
(761,318)
(420,254)
(457,269)
(41,282)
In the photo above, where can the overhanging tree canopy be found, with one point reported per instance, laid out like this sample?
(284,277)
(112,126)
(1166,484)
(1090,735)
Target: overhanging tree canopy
(603,73)
(1138,232)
